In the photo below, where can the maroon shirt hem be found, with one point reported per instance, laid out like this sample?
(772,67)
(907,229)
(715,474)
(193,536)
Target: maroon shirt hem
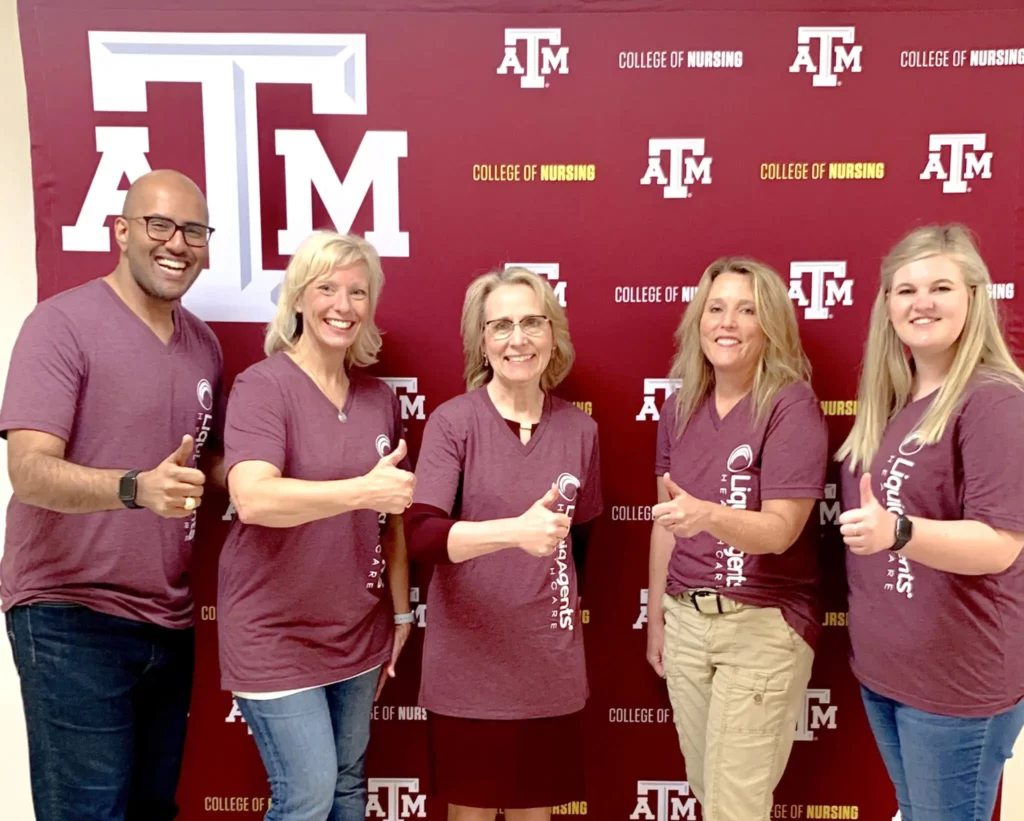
(954,710)
(510,715)
(301,680)
(107,605)
(8,425)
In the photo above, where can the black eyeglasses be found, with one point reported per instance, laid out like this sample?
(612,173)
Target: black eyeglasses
(162,229)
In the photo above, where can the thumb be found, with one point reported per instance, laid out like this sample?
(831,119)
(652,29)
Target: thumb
(181,456)
(673,489)
(396,456)
(867,496)
(548,498)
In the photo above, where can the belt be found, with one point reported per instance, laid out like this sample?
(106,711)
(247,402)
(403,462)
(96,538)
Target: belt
(710,601)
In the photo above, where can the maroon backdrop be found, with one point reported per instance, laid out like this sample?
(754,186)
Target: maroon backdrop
(464,136)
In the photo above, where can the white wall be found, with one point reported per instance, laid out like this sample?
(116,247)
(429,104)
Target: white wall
(18,289)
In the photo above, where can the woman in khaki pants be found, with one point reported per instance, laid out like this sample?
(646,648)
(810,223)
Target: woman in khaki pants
(734,612)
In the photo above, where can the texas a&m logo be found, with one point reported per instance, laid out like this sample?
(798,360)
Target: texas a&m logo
(687,165)
(238,287)
(540,60)
(968,160)
(833,55)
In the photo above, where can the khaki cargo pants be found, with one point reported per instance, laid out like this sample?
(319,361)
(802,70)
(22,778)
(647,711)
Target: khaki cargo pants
(736,681)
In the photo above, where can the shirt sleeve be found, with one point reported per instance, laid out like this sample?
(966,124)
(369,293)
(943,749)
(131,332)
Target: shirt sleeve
(440,465)
(254,430)
(795,453)
(991,454)
(666,429)
(45,376)
(426,533)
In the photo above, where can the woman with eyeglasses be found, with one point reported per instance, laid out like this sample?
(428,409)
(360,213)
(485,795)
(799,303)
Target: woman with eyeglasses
(508,480)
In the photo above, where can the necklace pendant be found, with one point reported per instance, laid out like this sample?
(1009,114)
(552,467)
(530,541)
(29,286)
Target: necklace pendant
(342,417)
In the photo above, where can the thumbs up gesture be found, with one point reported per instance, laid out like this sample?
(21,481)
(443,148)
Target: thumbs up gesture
(869,528)
(387,488)
(540,529)
(171,489)
(683,515)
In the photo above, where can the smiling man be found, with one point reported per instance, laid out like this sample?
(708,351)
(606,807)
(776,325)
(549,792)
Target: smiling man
(111,401)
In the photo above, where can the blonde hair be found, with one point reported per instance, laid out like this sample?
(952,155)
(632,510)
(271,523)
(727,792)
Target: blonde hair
(478,372)
(318,255)
(782,361)
(886,380)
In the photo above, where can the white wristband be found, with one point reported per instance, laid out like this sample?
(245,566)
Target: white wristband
(404,618)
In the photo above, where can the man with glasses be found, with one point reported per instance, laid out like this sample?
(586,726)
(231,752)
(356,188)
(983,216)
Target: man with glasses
(111,408)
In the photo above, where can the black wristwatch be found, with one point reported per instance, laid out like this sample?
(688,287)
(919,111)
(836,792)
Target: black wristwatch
(904,532)
(127,488)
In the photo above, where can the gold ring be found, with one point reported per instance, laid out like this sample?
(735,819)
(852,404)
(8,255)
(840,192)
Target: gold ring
(190,503)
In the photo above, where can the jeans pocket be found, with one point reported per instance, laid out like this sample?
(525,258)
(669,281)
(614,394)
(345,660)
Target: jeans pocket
(757,703)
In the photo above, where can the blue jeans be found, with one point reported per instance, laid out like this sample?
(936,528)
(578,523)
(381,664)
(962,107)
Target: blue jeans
(944,768)
(313,745)
(106,703)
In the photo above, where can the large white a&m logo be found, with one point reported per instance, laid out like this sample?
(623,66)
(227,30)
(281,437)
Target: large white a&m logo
(406,388)
(656,391)
(687,165)
(833,56)
(401,799)
(548,270)
(964,164)
(540,60)
(815,716)
(238,287)
(672,801)
(829,287)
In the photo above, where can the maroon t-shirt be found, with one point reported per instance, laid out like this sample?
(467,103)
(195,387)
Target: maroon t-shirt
(741,464)
(503,640)
(88,370)
(305,606)
(942,642)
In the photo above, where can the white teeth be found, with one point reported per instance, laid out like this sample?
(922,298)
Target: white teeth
(728,342)
(340,324)
(923,321)
(520,358)
(171,265)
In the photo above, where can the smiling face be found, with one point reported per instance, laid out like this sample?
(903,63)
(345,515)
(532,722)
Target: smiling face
(520,358)
(162,269)
(730,334)
(928,305)
(334,307)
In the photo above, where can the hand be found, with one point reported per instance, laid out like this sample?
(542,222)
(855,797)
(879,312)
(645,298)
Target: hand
(541,530)
(683,515)
(656,644)
(165,488)
(389,489)
(869,528)
(387,671)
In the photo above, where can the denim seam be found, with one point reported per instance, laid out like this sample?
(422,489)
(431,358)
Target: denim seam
(978,816)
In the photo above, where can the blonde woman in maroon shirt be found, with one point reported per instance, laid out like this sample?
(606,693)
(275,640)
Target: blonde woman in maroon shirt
(934,521)
(733,599)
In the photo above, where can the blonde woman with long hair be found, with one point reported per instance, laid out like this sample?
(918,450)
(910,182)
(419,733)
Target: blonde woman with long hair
(733,602)
(934,521)
(315,456)
(508,480)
